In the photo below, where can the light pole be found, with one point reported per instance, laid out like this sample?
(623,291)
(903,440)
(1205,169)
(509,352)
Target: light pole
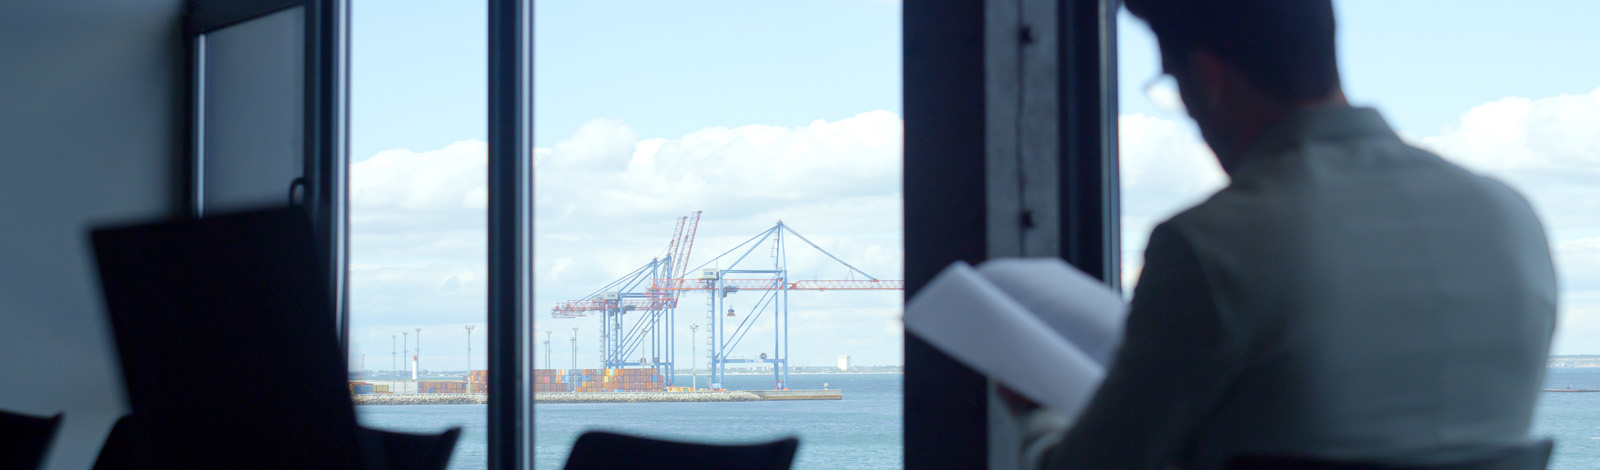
(405,336)
(469,359)
(694,383)
(547,348)
(574,347)
(419,350)
(393,358)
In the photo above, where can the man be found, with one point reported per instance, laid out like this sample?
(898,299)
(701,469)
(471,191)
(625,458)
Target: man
(1347,297)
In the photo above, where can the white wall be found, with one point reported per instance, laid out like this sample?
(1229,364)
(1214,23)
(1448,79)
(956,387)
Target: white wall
(91,131)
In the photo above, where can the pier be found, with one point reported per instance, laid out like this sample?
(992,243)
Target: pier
(773,395)
(602,397)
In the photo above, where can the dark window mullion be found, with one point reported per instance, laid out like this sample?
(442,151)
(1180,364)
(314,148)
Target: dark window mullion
(510,420)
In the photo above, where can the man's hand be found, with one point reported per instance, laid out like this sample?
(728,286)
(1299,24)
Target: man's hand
(1015,401)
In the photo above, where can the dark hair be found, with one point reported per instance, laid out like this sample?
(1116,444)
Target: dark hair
(1286,47)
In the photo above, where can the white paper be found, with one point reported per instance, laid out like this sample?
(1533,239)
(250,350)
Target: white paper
(1078,307)
(1017,330)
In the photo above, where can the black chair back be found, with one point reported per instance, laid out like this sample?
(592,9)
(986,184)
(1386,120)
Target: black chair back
(406,451)
(24,439)
(1534,456)
(603,450)
(228,343)
(116,453)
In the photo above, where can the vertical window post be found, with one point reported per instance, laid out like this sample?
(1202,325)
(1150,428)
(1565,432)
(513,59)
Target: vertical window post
(510,226)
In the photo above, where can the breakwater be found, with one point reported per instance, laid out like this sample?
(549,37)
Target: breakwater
(554,398)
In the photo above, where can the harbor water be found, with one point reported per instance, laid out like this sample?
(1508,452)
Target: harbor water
(864,429)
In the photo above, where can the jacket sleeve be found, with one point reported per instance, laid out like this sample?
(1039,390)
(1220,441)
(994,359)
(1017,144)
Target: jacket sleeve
(1175,362)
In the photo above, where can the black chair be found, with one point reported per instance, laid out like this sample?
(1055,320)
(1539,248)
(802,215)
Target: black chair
(400,451)
(1534,456)
(597,450)
(116,453)
(24,439)
(407,451)
(190,301)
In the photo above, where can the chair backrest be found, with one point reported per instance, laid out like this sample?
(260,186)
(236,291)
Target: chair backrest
(228,345)
(24,438)
(407,451)
(603,450)
(1533,456)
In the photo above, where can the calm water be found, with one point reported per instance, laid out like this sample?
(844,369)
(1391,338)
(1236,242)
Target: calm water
(863,430)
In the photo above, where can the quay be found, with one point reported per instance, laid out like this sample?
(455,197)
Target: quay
(798,394)
(600,397)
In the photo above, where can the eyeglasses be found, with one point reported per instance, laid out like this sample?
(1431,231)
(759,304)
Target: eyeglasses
(1162,91)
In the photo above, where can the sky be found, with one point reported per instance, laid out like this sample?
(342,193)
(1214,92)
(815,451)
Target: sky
(756,112)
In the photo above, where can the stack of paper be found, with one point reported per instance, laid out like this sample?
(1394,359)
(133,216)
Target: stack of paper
(1038,326)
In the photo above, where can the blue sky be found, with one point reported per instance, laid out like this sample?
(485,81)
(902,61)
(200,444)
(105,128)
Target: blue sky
(759,111)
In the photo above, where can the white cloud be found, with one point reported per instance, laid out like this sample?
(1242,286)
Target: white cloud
(606,200)
(1549,149)
(1165,168)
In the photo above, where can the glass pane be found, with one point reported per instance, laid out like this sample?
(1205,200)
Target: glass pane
(720,181)
(418,198)
(1490,88)
(252,126)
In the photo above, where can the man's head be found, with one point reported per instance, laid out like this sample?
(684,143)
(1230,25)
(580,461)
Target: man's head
(1243,65)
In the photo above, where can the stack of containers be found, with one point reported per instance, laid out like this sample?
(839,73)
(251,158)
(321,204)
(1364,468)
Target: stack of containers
(360,388)
(479,381)
(615,380)
(550,380)
(442,387)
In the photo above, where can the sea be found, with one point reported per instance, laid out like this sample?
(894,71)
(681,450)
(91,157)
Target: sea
(864,429)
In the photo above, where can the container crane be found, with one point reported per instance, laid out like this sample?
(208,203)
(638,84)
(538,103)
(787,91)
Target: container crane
(655,288)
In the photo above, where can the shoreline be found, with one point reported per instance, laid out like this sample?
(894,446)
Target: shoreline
(556,398)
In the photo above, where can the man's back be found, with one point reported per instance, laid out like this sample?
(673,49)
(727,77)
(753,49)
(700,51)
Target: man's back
(1359,299)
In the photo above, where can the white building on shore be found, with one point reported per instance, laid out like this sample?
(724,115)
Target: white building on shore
(844,362)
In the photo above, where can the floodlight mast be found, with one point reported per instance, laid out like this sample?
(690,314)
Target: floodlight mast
(694,383)
(547,348)
(469,349)
(405,347)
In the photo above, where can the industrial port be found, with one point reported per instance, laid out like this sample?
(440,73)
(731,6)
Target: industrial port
(638,320)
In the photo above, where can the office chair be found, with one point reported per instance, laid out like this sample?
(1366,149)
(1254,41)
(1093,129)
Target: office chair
(400,451)
(597,450)
(116,453)
(407,451)
(24,439)
(191,302)
(1533,456)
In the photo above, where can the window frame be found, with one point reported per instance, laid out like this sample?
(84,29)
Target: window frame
(946,205)
(325,178)
(948,56)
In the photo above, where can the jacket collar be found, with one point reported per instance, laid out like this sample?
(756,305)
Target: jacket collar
(1326,123)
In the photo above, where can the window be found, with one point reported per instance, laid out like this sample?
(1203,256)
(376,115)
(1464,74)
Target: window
(719,181)
(418,219)
(1495,90)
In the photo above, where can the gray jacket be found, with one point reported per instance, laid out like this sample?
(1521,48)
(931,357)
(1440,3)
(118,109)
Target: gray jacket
(1347,296)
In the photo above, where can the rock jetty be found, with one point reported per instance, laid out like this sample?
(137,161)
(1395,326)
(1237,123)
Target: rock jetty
(607,397)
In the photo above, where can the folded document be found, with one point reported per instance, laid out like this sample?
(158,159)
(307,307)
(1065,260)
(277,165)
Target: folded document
(1037,325)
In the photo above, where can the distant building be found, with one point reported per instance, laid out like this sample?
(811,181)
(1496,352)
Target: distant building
(844,362)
